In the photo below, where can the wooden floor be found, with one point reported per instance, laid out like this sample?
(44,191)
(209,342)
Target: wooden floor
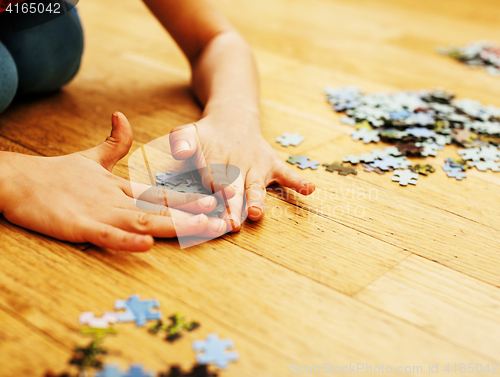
(364,271)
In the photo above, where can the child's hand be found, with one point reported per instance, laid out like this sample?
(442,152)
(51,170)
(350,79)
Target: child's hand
(76,198)
(241,145)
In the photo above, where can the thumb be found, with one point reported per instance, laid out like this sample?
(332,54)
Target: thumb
(184,142)
(116,146)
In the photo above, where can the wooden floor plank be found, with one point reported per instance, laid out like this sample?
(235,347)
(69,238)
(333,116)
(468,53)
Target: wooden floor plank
(363,271)
(441,301)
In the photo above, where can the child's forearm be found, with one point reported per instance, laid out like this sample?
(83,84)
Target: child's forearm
(225,80)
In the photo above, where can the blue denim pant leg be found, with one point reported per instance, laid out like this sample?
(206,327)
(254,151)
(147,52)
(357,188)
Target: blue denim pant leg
(47,56)
(8,78)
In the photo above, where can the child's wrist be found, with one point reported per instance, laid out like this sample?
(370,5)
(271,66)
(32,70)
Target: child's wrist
(234,117)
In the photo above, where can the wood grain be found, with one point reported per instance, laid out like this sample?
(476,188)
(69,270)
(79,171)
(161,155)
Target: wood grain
(363,271)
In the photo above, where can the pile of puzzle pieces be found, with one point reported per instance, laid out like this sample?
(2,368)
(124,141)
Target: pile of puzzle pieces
(418,124)
(482,54)
(187,182)
(212,350)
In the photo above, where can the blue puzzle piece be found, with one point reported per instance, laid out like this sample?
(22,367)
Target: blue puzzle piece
(214,351)
(398,115)
(110,370)
(454,172)
(137,370)
(137,310)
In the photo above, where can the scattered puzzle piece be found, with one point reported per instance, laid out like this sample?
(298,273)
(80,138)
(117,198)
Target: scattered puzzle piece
(346,120)
(454,172)
(88,318)
(137,370)
(197,371)
(87,357)
(391,162)
(341,168)
(303,162)
(404,177)
(288,139)
(470,154)
(178,323)
(485,165)
(214,350)
(366,136)
(422,169)
(110,370)
(351,158)
(137,310)
(98,332)
(369,168)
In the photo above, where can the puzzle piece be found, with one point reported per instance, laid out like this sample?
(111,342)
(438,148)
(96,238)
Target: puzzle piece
(404,177)
(351,158)
(303,162)
(470,154)
(367,157)
(421,119)
(197,371)
(391,162)
(369,169)
(457,164)
(422,169)
(88,318)
(88,357)
(342,169)
(485,165)
(347,120)
(365,135)
(137,370)
(215,351)
(137,310)
(178,323)
(409,148)
(110,370)
(454,172)
(429,149)
(288,139)
(399,115)
(489,153)
(98,332)
(420,132)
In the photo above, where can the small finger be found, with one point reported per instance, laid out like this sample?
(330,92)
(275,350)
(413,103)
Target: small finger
(255,191)
(232,214)
(286,177)
(108,236)
(195,203)
(158,225)
(215,227)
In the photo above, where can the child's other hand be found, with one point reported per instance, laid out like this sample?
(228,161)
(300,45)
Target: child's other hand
(241,145)
(76,198)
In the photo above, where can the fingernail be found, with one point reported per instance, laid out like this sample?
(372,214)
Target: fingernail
(255,209)
(195,220)
(217,225)
(235,223)
(181,146)
(207,202)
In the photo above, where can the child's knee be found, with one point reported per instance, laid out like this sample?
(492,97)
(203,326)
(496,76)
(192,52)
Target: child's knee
(47,56)
(8,78)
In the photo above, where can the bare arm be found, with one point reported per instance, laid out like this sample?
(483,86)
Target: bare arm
(224,74)
(225,81)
